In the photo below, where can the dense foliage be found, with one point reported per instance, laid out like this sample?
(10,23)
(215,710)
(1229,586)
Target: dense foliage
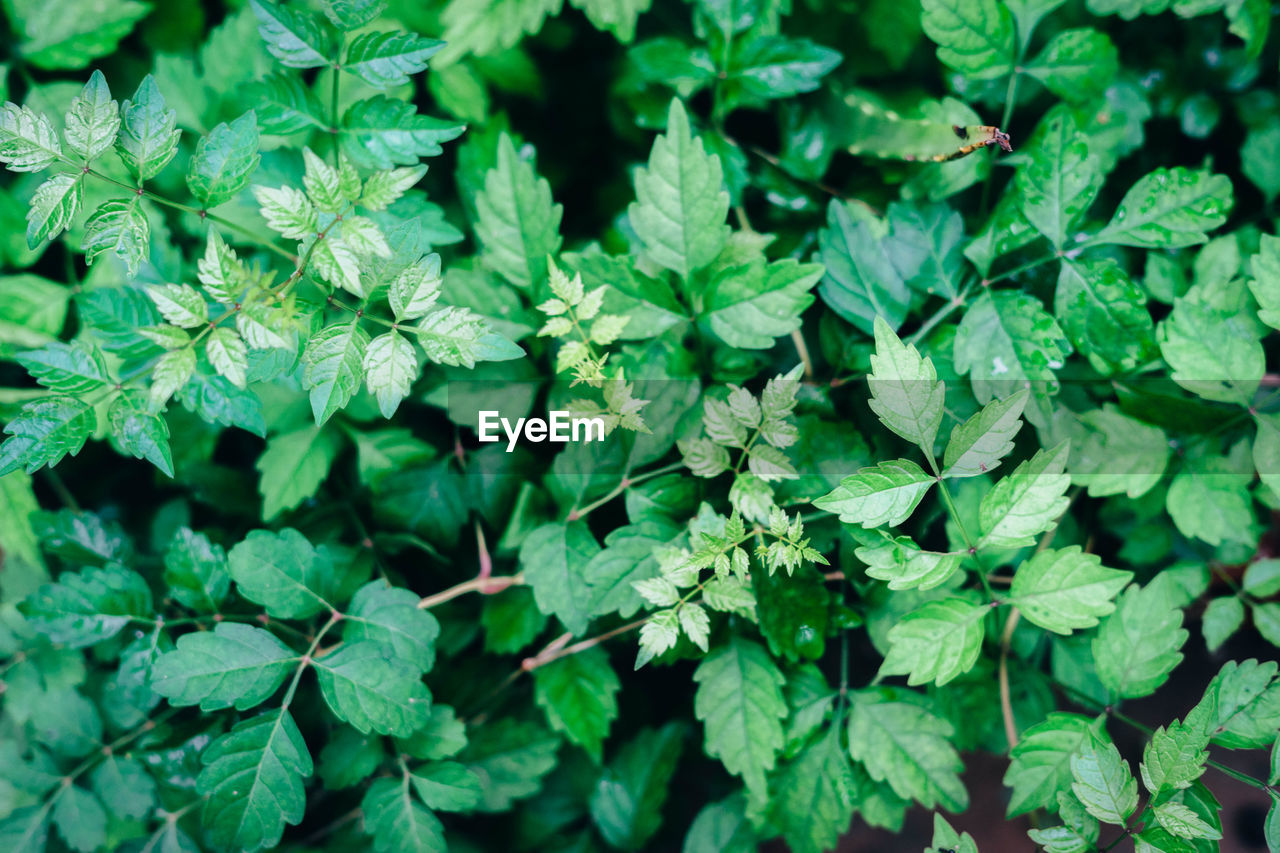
(915,448)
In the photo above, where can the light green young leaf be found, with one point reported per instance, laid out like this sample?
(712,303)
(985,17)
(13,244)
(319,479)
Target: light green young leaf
(681,202)
(180,304)
(397,822)
(1064,590)
(937,642)
(53,208)
(484,27)
(1265,279)
(946,838)
(389,370)
(975,37)
(220,271)
(140,432)
(252,781)
(740,700)
(902,742)
(293,466)
(45,431)
(1027,502)
(233,665)
(517,222)
(332,367)
(174,369)
(1173,758)
(1060,180)
(149,135)
(977,445)
(390,615)
(616,16)
(579,695)
(297,38)
(886,493)
(93,119)
(1040,763)
(1181,821)
(1137,646)
(1223,616)
(28,142)
(288,211)
(1169,208)
(228,354)
(366,685)
(750,305)
(1214,353)
(121,227)
(353,14)
(382,189)
(904,565)
(281,571)
(554,559)
(1117,454)
(1103,783)
(224,160)
(384,60)
(1076,65)
(905,392)
(382,133)
(88,606)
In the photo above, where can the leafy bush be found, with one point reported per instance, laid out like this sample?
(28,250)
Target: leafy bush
(321,612)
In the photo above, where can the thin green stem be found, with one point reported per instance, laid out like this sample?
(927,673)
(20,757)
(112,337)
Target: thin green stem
(938,316)
(627,482)
(954,512)
(333,96)
(1030,265)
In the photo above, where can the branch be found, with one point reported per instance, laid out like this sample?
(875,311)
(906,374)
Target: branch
(486,585)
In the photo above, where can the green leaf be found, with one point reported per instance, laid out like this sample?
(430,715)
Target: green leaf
(333,363)
(74,368)
(579,694)
(366,685)
(900,562)
(1241,706)
(384,60)
(252,779)
(180,304)
(1060,181)
(1040,762)
(485,27)
(459,337)
(977,445)
(45,431)
(280,571)
(149,136)
(80,819)
(816,795)
(1265,269)
(53,208)
(141,433)
(517,221)
(1181,821)
(89,606)
(120,227)
(228,355)
(233,665)
(510,757)
(1214,353)
(750,305)
(1026,502)
(293,466)
(1137,646)
(124,786)
(1005,340)
(901,742)
(174,369)
(1076,65)
(353,14)
(67,33)
(905,392)
(937,642)
(391,616)
(681,202)
(1211,502)
(288,211)
(975,37)
(1118,454)
(416,288)
(195,571)
(862,282)
(224,160)
(1173,758)
(382,132)
(884,494)
(1102,781)
(397,822)
(617,16)
(554,560)
(93,119)
(1222,618)
(1169,208)
(740,700)
(447,786)
(1064,590)
(298,39)
(284,104)
(1258,154)
(28,142)
(772,66)
(389,370)
(626,805)
(1104,312)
